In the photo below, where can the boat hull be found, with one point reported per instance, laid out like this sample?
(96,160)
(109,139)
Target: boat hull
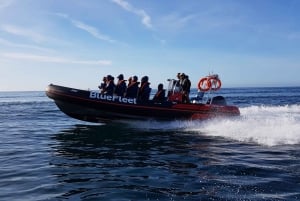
(95,107)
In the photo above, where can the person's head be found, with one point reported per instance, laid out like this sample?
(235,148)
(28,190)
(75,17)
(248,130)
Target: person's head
(182,75)
(121,77)
(145,79)
(135,78)
(160,86)
(178,75)
(109,77)
(104,79)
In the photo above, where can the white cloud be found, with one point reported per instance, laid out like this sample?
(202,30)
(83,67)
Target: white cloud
(28,33)
(146,19)
(175,22)
(50,59)
(90,29)
(11,44)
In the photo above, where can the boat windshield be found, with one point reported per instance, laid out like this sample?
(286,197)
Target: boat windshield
(174,86)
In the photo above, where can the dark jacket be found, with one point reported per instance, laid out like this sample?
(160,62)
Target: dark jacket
(144,92)
(159,96)
(132,90)
(186,85)
(110,87)
(120,88)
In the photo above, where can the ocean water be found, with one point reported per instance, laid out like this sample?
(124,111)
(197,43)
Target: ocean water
(45,155)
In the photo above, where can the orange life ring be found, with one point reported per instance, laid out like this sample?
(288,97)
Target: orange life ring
(204,84)
(215,83)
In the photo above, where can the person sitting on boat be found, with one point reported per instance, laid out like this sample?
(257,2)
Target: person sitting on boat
(102,86)
(186,87)
(159,97)
(129,80)
(110,85)
(121,86)
(132,88)
(144,90)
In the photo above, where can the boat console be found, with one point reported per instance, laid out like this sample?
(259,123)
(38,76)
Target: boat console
(210,83)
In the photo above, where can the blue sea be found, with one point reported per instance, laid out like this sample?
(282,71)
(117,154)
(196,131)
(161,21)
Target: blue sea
(46,155)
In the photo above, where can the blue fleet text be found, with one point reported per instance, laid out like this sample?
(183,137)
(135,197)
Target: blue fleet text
(99,96)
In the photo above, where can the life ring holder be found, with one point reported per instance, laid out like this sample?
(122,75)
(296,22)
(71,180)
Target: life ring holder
(211,82)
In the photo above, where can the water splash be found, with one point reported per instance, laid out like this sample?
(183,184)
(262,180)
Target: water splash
(265,125)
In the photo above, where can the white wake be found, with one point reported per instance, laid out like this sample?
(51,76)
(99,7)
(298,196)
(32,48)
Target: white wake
(265,125)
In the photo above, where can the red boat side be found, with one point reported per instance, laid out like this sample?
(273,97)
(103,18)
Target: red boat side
(95,107)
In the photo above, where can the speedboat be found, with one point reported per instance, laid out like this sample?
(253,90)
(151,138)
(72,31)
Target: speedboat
(94,106)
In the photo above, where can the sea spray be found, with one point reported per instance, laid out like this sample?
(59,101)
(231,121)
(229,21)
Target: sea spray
(265,125)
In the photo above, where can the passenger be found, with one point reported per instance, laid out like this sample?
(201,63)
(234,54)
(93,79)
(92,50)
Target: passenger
(121,86)
(102,86)
(189,84)
(129,80)
(132,88)
(186,87)
(110,85)
(176,82)
(181,79)
(144,90)
(159,97)
(178,79)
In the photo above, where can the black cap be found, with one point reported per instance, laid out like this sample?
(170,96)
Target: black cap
(121,76)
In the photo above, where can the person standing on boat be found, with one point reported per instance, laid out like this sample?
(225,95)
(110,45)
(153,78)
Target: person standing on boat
(189,84)
(132,88)
(102,86)
(110,86)
(144,90)
(178,79)
(186,87)
(121,86)
(176,82)
(159,97)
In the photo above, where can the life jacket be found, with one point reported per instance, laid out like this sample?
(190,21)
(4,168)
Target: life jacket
(120,88)
(144,91)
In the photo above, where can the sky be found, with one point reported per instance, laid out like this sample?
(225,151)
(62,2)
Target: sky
(75,43)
